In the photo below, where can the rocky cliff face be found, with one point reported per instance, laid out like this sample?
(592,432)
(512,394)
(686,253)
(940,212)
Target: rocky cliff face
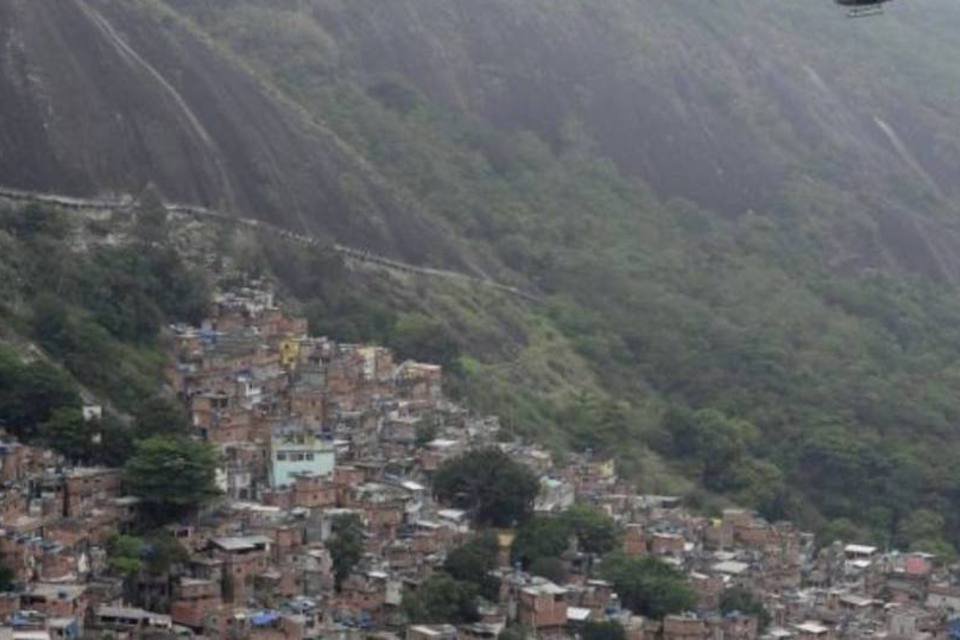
(99,96)
(738,105)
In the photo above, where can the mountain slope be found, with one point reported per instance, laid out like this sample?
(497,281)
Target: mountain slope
(732,104)
(741,215)
(100,96)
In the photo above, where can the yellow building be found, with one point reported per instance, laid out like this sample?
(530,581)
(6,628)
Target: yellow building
(289,352)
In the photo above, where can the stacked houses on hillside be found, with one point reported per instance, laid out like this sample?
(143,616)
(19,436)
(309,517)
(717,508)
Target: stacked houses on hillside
(310,429)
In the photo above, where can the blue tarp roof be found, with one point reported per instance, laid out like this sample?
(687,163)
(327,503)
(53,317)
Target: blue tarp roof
(264,618)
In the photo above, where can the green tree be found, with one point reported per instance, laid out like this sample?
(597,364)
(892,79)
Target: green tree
(739,599)
(151,220)
(116,444)
(37,220)
(171,475)
(69,434)
(418,337)
(474,561)
(161,552)
(125,555)
(496,490)
(717,442)
(426,432)
(596,423)
(542,536)
(30,393)
(51,324)
(159,416)
(131,292)
(70,336)
(596,532)
(7,578)
(842,529)
(648,586)
(923,530)
(442,599)
(550,536)
(761,486)
(606,630)
(921,524)
(553,569)
(346,545)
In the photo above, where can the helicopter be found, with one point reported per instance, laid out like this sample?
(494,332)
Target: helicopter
(863,8)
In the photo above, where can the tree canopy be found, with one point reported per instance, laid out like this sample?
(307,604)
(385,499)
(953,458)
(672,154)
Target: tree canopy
(346,545)
(160,416)
(31,393)
(6,578)
(542,536)
(171,475)
(473,562)
(69,434)
(595,531)
(495,489)
(550,536)
(648,586)
(442,599)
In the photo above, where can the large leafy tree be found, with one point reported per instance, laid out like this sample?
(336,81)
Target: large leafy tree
(648,586)
(160,416)
(596,532)
(474,561)
(550,536)
(495,489)
(7,578)
(125,555)
(68,433)
(442,599)
(718,443)
(345,545)
(541,537)
(30,393)
(551,568)
(425,339)
(172,475)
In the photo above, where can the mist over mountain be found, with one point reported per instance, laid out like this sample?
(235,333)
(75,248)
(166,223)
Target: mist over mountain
(741,215)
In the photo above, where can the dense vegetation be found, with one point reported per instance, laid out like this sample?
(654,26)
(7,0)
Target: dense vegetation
(99,312)
(171,475)
(648,585)
(582,539)
(494,489)
(441,599)
(96,309)
(544,539)
(453,593)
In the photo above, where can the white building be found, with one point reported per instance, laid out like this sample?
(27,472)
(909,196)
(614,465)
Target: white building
(295,451)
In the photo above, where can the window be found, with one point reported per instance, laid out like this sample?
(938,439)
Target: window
(281,456)
(309,456)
